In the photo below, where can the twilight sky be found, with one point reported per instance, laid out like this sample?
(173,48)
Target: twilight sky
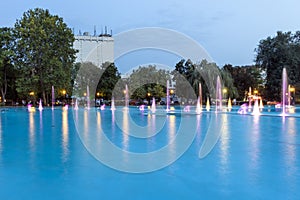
(229,30)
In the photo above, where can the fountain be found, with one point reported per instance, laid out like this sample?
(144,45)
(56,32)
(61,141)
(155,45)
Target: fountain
(66,107)
(40,105)
(87,97)
(153,106)
(284,91)
(53,97)
(76,105)
(113,104)
(168,97)
(256,108)
(199,100)
(142,107)
(229,106)
(30,108)
(102,107)
(126,97)
(218,95)
(207,104)
(261,105)
(249,98)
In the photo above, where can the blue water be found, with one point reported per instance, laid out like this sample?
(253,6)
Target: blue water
(42,156)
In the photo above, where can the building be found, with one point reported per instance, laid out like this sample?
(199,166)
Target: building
(95,49)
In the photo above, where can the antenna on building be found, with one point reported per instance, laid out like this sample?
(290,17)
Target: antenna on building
(95,33)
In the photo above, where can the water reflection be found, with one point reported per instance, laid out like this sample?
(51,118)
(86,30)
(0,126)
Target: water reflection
(224,143)
(0,136)
(125,130)
(31,131)
(65,135)
(254,134)
(290,151)
(172,135)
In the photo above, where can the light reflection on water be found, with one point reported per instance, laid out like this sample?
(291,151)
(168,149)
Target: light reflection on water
(224,145)
(32,131)
(290,138)
(0,136)
(65,135)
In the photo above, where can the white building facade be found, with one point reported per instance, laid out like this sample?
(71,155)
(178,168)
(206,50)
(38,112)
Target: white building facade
(95,49)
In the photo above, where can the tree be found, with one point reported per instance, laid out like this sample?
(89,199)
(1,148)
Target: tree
(244,77)
(108,80)
(148,79)
(275,53)
(88,74)
(44,53)
(6,67)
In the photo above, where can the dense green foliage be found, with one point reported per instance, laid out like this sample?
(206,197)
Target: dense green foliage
(100,80)
(244,77)
(275,53)
(148,81)
(205,73)
(44,53)
(7,74)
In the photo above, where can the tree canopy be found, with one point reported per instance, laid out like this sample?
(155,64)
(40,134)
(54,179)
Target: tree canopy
(275,53)
(44,53)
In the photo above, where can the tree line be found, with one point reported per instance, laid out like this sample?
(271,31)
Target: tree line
(37,53)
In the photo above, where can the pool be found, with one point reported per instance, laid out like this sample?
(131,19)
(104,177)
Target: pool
(46,155)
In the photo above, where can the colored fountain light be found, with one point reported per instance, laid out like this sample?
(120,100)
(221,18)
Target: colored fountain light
(102,107)
(142,107)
